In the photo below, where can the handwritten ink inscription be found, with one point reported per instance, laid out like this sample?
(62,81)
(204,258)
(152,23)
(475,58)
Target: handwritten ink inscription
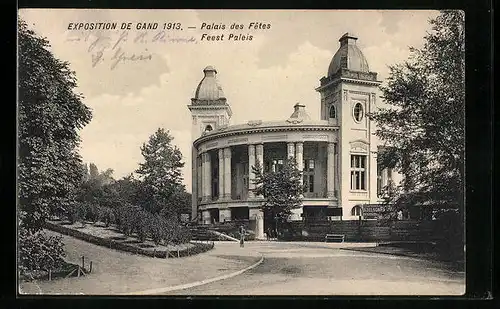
(116,48)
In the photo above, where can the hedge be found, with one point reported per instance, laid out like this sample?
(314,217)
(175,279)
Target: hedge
(113,244)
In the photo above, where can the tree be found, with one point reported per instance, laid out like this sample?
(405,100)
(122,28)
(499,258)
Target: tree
(49,167)
(50,114)
(160,173)
(282,190)
(424,121)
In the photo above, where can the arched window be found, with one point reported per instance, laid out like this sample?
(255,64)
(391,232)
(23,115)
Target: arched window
(208,128)
(333,112)
(356,211)
(358,112)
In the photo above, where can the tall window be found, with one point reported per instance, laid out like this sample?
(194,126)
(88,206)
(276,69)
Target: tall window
(333,112)
(384,178)
(379,181)
(308,176)
(358,112)
(358,172)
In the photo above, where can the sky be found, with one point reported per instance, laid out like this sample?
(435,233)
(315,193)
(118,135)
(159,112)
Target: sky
(136,81)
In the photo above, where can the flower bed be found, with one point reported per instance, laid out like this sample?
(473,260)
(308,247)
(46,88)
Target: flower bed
(111,238)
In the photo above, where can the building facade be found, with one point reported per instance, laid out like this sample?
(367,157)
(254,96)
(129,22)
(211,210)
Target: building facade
(337,153)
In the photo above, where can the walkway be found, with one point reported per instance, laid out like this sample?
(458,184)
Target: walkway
(117,272)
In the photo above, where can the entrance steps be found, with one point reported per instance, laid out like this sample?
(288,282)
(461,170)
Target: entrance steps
(222,235)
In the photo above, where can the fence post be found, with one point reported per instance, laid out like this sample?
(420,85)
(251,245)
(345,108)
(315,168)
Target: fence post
(90,270)
(50,275)
(168,253)
(78,270)
(83,262)
(178,255)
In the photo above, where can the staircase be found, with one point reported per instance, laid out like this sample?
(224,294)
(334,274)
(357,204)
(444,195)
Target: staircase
(204,233)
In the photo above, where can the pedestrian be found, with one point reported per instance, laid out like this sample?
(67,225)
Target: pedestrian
(268,234)
(242,236)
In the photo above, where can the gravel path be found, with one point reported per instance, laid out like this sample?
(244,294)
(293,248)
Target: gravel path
(116,272)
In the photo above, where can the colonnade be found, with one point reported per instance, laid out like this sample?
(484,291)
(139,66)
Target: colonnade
(255,153)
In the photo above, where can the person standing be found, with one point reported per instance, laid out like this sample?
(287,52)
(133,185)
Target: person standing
(242,236)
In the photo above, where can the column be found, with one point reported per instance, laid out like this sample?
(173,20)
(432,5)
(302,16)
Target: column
(330,172)
(206,217)
(259,156)
(207,172)
(257,215)
(291,150)
(227,173)
(259,225)
(202,177)
(199,176)
(299,158)
(384,177)
(221,173)
(224,215)
(251,162)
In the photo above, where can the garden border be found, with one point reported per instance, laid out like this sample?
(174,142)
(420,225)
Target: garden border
(113,244)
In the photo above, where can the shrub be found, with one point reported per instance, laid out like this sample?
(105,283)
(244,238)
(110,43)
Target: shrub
(106,215)
(37,251)
(77,212)
(91,212)
(157,229)
(143,221)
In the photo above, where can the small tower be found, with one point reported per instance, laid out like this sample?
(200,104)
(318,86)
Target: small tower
(210,112)
(209,106)
(348,94)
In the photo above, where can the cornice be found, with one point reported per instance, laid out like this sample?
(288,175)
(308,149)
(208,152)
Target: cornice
(349,81)
(217,135)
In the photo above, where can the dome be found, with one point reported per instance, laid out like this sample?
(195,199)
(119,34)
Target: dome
(349,56)
(209,88)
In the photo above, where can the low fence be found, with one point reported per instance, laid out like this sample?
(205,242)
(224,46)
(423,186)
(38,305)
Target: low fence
(199,247)
(366,230)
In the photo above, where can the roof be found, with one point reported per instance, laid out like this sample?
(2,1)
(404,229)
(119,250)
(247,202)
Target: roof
(209,88)
(348,56)
(299,120)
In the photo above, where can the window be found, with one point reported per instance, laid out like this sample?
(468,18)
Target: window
(208,128)
(333,112)
(358,172)
(358,112)
(379,181)
(389,174)
(356,211)
(276,165)
(308,176)
(384,178)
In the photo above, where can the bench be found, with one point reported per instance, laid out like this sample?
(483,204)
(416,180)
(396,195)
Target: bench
(334,237)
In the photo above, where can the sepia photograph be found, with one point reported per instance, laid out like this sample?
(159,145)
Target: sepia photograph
(241,152)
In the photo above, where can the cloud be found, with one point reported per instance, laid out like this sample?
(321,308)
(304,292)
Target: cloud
(262,78)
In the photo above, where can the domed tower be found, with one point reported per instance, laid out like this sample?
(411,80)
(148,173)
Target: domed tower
(348,93)
(210,111)
(209,106)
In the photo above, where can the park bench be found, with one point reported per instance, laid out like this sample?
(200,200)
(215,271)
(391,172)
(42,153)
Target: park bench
(334,238)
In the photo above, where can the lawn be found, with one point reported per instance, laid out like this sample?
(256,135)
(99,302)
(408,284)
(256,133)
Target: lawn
(111,237)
